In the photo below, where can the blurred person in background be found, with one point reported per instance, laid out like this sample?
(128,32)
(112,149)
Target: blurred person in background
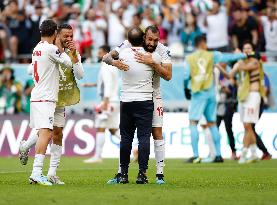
(20,28)
(163,32)
(269,22)
(190,31)
(96,26)
(173,24)
(107,116)
(227,106)
(27,96)
(245,28)
(116,28)
(10,92)
(250,92)
(217,27)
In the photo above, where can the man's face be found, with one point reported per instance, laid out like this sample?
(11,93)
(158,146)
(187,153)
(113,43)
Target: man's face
(6,75)
(151,41)
(65,36)
(100,54)
(247,49)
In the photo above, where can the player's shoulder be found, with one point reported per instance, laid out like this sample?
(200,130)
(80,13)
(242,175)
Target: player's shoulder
(162,49)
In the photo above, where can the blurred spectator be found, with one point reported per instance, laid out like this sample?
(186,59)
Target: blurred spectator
(36,18)
(163,32)
(244,28)
(75,22)
(269,23)
(95,26)
(148,17)
(116,28)
(137,21)
(173,23)
(10,92)
(190,31)
(227,106)
(27,95)
(217,27)
(20,28)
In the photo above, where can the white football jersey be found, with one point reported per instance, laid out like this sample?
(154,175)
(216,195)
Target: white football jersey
(137,81)
(45,63)
(163,51)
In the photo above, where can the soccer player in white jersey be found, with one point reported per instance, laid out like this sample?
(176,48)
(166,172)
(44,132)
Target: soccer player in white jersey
(67,87)
(46,59)
(164,70)
(108,114)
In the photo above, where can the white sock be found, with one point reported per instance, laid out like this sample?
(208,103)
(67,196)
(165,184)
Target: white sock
(253,150)
(31,141)
(38,165)
(100,141)
(159,149)
(56,153)
(244,152)
(210,142)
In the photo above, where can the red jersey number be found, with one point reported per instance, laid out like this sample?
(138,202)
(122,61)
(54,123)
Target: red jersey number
(160,111)
(36,76)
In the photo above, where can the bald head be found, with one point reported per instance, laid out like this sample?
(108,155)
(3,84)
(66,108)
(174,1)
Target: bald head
(135,36)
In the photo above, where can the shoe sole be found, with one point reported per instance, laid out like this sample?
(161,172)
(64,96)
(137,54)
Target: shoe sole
(141,182)
(33,182)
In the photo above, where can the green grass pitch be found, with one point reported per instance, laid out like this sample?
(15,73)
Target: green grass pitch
(193,184)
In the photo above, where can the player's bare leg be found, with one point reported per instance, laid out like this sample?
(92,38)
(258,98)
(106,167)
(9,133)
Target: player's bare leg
(100,141)
(159,149)
(45,135)
(26,145)
(56,153)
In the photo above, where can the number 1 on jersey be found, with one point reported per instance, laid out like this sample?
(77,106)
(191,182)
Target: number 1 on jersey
(36,77)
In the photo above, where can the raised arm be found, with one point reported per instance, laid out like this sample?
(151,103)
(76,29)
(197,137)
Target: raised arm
(227,57)
(232,73)
(61,58)
(78,69)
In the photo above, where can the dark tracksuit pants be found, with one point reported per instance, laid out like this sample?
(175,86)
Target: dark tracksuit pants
(228,121)
(134,115)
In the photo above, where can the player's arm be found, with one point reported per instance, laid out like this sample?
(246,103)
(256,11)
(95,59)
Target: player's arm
(112,58)
(227,57)
(252,64)
(78,69)
(59,57)
(164,70)
(88,85)
(232,73)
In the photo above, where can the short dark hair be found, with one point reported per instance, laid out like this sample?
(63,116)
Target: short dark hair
(135,36)
(153,29)
(47,28)
(105,48)
(248,42)
(199,39)
(64,26)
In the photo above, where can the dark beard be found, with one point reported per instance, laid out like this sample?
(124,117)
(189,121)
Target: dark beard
(147,49)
